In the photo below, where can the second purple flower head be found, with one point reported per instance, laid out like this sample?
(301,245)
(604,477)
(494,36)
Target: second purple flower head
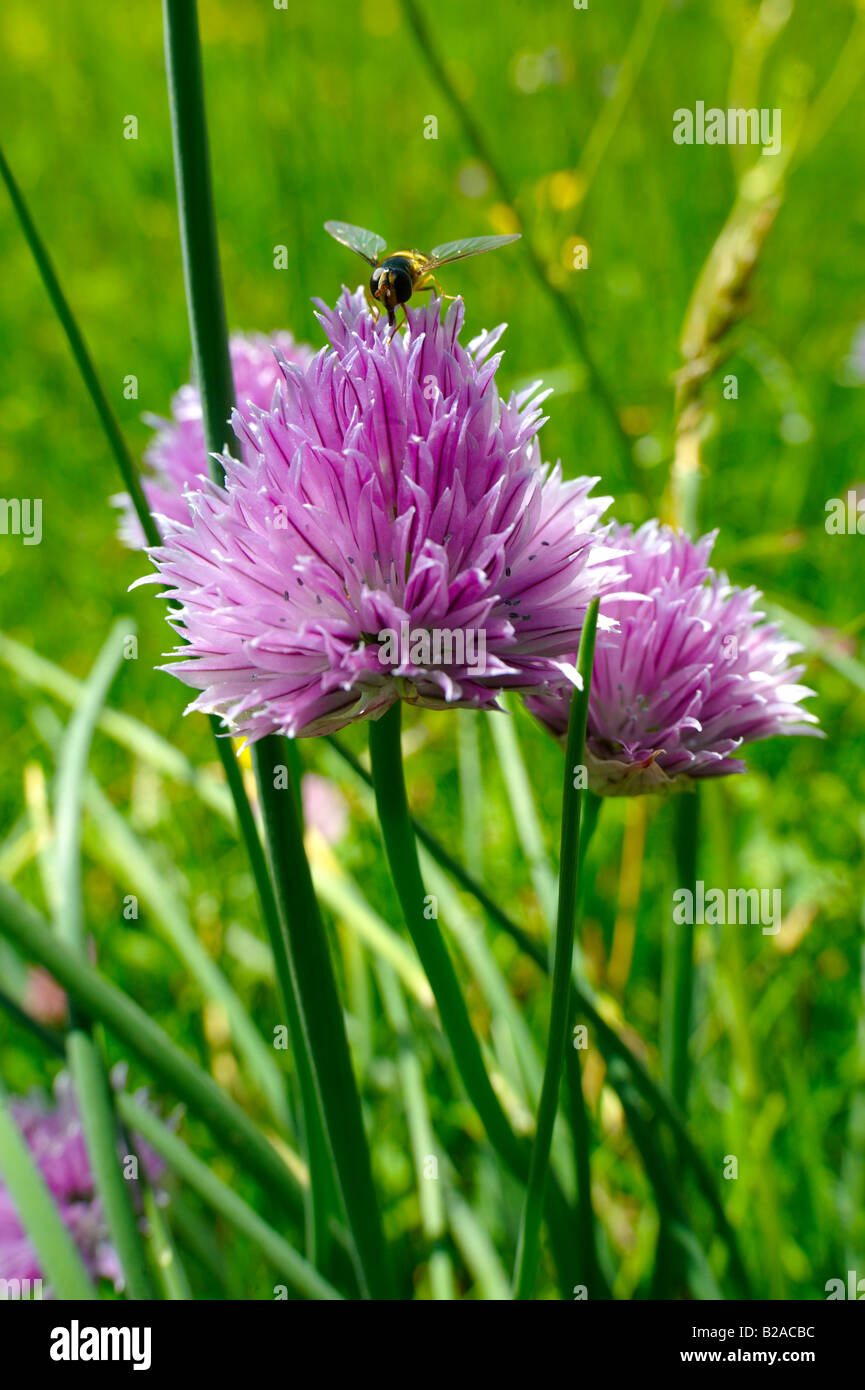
(690,674)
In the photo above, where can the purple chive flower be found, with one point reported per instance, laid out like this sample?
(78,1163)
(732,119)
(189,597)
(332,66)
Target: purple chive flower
(691,674)
(177,455)
(52,1131)
(390,533)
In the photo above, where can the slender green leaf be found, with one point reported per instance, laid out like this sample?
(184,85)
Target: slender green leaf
(130,858)
(166,1257)
(86,1065)
(478,1251)
(224,1200)
(128,732)
(84,362)
(58,1255)
(102,1001)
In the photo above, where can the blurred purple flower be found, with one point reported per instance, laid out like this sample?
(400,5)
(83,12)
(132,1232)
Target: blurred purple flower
(325,809)
(691,675)
(177,455)
(44,999)
(52,1131)
(390,533)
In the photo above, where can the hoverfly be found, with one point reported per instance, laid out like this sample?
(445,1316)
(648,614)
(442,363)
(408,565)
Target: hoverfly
(395,277)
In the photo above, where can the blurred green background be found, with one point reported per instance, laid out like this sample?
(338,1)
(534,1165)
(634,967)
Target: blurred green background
(319,112)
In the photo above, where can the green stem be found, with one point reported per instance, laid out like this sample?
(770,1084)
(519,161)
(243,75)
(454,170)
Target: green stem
(108,420)
(204,298)
(530,1228)
(306,948)
(245,819)
(401,851)
(578,1115)
(611,1043)
(208,329)
(321,1198)
(452,866)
